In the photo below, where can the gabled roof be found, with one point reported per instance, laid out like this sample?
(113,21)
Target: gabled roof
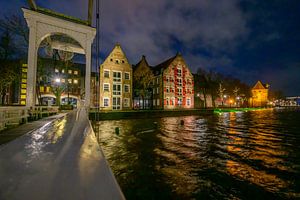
(165,64)
(142,62)
(259,85)
(116,53)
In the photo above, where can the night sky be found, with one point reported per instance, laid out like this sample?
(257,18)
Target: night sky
(249,39)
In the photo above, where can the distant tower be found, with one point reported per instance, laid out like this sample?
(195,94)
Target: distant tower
(259,95)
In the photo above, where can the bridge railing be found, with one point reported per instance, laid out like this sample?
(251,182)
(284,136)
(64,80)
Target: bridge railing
(15,115)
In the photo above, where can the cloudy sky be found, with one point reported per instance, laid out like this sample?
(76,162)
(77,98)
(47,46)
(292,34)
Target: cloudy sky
(248,39)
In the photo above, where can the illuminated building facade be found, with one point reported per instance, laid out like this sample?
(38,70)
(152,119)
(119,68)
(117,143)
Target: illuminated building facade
(59,75)
(259,95)
(116,81)
(173,85)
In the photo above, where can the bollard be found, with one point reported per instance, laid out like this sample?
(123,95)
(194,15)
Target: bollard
(117,130)
(181,122)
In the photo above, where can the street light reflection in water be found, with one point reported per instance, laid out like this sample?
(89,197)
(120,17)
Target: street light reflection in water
(231,155)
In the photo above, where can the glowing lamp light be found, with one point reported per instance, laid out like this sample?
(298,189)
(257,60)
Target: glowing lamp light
(230,101)
(57,80)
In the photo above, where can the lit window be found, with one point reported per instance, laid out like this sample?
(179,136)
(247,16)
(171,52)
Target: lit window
(117,76)
(63,80)
(105,102)
(70,80)
(126,88)
(106,87)
(41,88)
(157,80)
(63,71)
(70,71)
(75,81)
(126,102)
(56,70)
(127,76)
(154,101)
(179,101)
(106,73)
(76,72)
(157,90)
(157,102)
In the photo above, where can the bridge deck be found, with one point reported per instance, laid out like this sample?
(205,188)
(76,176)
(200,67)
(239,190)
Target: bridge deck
(60,160)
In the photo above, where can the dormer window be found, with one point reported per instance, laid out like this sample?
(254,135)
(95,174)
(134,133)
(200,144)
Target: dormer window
(117,61)
(111,60)
(123,61)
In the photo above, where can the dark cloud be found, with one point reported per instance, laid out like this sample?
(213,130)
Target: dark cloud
(248,39)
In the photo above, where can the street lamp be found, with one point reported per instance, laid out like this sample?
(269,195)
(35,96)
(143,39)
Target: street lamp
(57,80)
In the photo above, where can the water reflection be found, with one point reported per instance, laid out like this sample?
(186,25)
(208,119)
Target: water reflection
(229,156)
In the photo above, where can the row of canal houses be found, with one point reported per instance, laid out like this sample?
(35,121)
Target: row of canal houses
(168,85)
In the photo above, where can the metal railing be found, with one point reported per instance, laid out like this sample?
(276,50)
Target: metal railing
(15,115)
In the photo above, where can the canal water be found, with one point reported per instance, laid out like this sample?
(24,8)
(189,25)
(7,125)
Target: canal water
(238,155)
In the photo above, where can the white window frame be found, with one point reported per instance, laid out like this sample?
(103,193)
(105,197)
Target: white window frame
(106,70)
(179,81)
(117,79)
(117,90)
(179,91)
(188,102)
(106,98)
(125,75)
(179,74)
(104,87)
(128,88)
(126,106)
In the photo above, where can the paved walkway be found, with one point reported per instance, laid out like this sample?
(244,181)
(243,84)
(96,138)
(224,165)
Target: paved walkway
(60,160)
(10,134)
